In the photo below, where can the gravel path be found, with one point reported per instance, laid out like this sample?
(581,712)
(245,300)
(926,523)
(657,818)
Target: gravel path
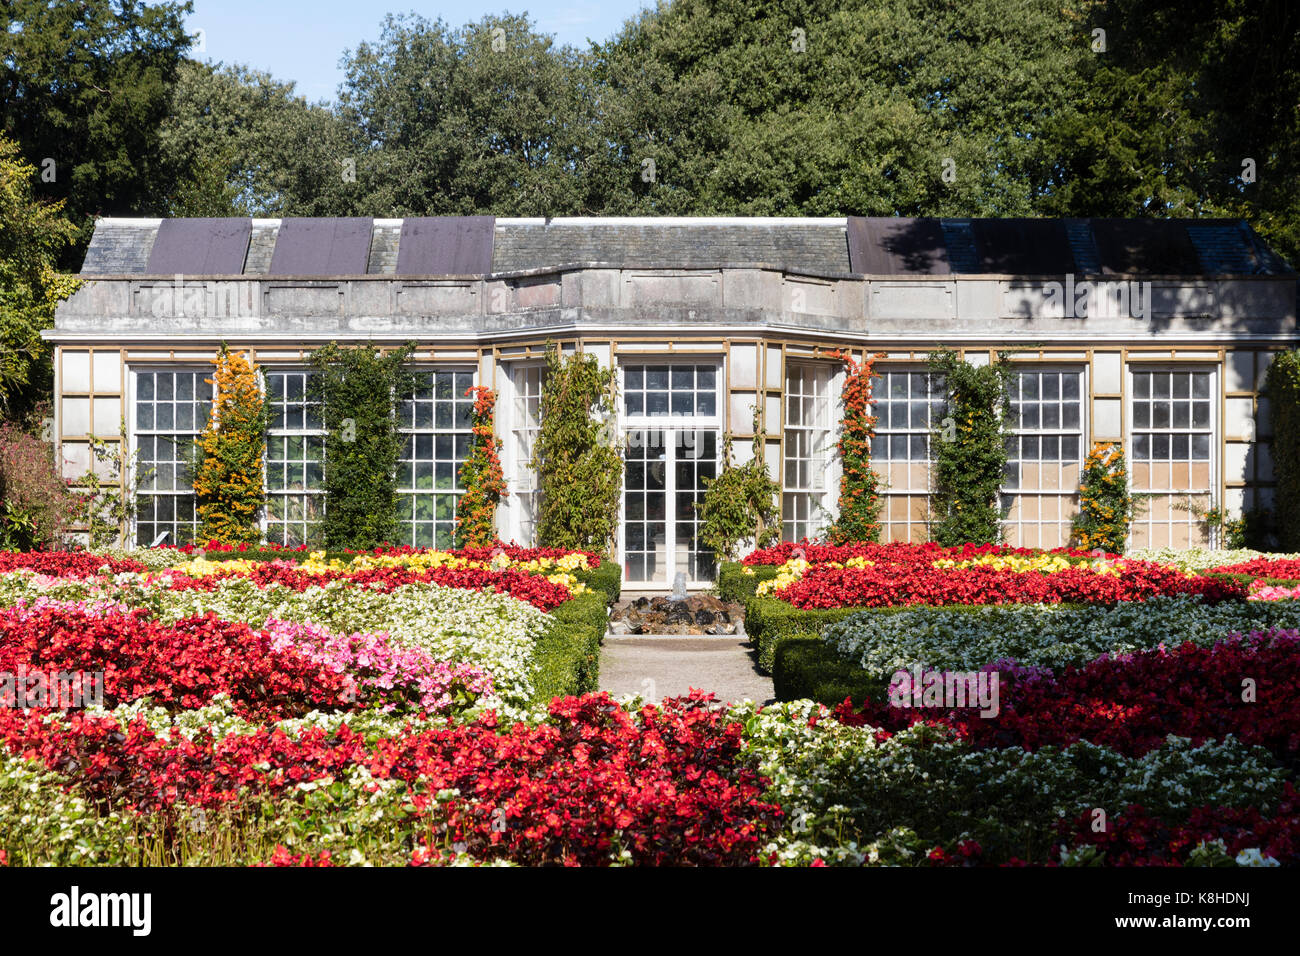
(669,666)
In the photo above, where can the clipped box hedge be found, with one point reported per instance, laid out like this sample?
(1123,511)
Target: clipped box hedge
(568,653)
(770,622)
(607,578)
(735,585)
(809,668)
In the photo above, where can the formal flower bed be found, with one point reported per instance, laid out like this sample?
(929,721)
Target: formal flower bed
(1265,567)
(486,629)
(591,783)
(857,794)
(1132,702)
(1053,636)
(544,578)
(362,713)
(893,553)
(825,586)
(1200,559)
(67,564)
(277,671)
(533,588)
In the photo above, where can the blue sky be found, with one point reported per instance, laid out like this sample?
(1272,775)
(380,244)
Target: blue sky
(303,40)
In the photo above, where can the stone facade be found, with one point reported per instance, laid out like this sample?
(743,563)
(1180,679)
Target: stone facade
(706,320)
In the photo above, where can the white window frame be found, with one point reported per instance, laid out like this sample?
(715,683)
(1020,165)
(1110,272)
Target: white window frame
(287,433)
(405,492)
(521,442)
(1216,465)
(886,490)
(1082,430)
(668,423)
(824,467)
(135,433)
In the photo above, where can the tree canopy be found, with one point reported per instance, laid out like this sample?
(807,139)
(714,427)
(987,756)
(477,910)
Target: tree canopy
(696,107)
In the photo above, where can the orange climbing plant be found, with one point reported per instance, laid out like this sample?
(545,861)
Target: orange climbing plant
(1105,502)
(228,457)
(859,502)
(481,475)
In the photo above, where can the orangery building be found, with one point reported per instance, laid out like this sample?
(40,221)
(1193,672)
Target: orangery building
(1153,333)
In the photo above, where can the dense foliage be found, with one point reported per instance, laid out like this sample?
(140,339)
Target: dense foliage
(229,453)
(86,87)
(741,504)
(576,455)
(1283,386)
(357,388)
(969,450)
(864,107)
(33,233)
(36,507)
(1105,501)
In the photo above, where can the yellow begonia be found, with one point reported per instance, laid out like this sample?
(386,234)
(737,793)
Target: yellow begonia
(557,570)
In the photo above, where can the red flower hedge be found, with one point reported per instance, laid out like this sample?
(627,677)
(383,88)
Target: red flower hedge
(674,789)
(1285,568)
(65,564)
(891,585)
(897,552)
(1134,838)
(184,665)
(1131,703)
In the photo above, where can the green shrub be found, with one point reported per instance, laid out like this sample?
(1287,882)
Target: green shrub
(580,468)
(607,578)
(357,388)
(769,622)
(969,450)
(807,668)
(1283,387)
(568,652)
(1105,501)
(735,585)
(742,503)
(35,504)
(229,452)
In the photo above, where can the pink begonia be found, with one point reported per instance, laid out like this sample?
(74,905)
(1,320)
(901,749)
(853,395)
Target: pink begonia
(22,609)
(379,666)
(1272,592)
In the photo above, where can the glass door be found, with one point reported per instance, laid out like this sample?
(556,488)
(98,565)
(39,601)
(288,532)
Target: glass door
(671,439)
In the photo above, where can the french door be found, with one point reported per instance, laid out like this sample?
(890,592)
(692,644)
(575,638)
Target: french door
(671,433)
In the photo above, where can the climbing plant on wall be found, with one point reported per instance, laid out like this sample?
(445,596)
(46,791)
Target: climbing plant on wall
(481,476)
(577,456)
(1105,501)
(859,502)
(1283,386)
(969,449)
(741,503)
(357,388)
(229,451)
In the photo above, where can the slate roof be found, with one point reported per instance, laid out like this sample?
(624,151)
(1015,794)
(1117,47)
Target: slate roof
(856,245)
